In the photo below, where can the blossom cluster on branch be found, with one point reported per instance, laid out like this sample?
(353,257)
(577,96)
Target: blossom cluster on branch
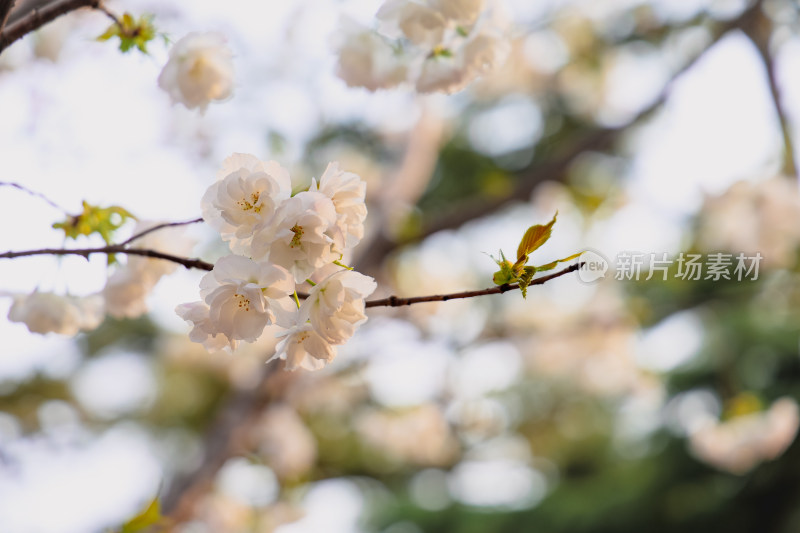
(437,45)
(279,241)
(125,294)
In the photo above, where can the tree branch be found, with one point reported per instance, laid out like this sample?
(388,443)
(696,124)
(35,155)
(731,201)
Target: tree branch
(160,226)
(5,9)
(112,249)
(394,301)
(759,34)
(37,18)
(226,437)
(391,301)
(33,193)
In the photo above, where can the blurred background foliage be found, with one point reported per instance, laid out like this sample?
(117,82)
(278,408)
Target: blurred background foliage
(622,406)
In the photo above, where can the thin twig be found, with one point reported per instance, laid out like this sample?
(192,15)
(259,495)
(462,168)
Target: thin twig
(109,14)
(158,227)
(112,249)
(394,301)
(759,34)
(39,17)
(33,193)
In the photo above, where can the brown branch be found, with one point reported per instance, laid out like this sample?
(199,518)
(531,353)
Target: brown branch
(394,301)
(159,227)
(110,14)
(112,249)
(391,301)
(37,18)
(226,437)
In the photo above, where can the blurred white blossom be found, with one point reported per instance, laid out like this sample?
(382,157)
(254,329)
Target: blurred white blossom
(126,293)
(286,442)
(127,289)
(367,59)
(754,217)
(419,436)
(473,56)
(445,44)
(45,312)
(199,70)
(739,444)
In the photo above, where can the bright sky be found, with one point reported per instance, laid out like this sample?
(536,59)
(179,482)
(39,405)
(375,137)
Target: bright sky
(95,126)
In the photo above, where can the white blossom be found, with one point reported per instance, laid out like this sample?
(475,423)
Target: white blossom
(445,44)
(127,289)
(245,198)
(245,296)
(739,444)
(462,12)
(335,306)
(367,59)
(474,56)
(347,191)
(45,312)
(199,70)
(419,23)
(286,442)
(203,330)
(303,347)
(304,235)
(754,217)
(126,293)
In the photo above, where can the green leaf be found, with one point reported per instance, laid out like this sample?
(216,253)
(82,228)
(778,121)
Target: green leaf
(131,32)
(535,237)
(525,280)
(551,266)
(150,516)
(101,220)
(109,33)
(506,273)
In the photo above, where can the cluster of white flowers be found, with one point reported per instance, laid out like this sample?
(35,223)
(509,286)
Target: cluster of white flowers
(438,45)
(279,241)
(199,70)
